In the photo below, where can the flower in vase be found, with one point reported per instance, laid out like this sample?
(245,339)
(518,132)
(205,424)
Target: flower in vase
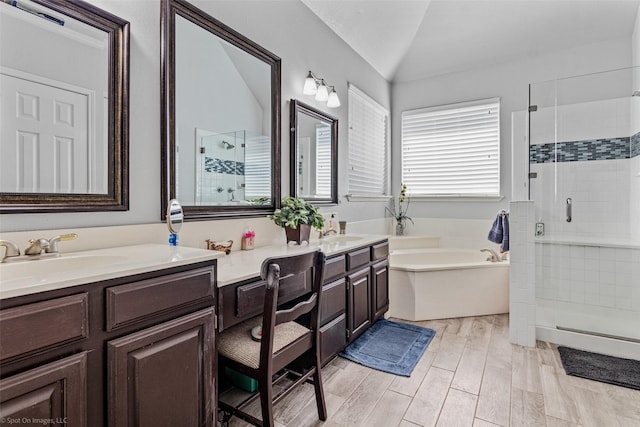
(399,211)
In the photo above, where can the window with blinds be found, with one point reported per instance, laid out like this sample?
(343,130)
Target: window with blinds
(257,167)
(368,158)
(452,149)
(323,160)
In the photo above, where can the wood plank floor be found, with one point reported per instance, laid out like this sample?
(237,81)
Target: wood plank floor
(470,375)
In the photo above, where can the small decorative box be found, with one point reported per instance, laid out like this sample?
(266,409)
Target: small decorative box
(248,240)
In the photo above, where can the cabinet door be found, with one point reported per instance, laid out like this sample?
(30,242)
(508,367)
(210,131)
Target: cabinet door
(333,338)
(164,375)
(359,314)
(56,391)
(380,286)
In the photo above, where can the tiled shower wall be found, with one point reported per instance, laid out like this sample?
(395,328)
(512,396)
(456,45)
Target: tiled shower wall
(585,152)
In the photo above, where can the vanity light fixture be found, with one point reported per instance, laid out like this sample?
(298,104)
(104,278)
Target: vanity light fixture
(317,86)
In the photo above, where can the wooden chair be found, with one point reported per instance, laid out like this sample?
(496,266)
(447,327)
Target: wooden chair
(279,347)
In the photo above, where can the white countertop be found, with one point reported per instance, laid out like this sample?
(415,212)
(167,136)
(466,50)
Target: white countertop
(243,265)
(71,269)
(31,276)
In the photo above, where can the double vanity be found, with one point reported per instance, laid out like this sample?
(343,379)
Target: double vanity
(126,336)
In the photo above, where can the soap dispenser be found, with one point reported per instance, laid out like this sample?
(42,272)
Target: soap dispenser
(333,222)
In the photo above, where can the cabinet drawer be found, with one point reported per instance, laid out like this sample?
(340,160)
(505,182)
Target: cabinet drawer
(140,300)
(250,299)
(333,301)
(379,251)
(333,338)
(241,302)
(43,325)
(334,267)
(358,258)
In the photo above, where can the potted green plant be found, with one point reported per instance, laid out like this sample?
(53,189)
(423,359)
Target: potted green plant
(297,217)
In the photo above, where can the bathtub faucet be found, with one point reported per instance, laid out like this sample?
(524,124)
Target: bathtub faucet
(494,256)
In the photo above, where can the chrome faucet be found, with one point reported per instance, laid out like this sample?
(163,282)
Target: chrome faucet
(11,249)
(54,246)
(326,233)
(50,246)
(36,246)
(494,256)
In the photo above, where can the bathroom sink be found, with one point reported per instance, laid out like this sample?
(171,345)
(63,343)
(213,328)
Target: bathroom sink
(27,275)
(26,267)
(343,238)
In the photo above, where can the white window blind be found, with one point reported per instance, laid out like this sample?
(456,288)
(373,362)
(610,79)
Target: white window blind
(257,167)
(452,149)
(323,160)
(368,159)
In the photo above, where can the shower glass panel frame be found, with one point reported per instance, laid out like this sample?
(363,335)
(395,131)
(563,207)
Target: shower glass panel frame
(584,180)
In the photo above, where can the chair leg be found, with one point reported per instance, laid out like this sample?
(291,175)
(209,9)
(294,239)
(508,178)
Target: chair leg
(266,401)
(317,384)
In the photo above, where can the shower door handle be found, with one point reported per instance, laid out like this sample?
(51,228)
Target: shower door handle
(569,203)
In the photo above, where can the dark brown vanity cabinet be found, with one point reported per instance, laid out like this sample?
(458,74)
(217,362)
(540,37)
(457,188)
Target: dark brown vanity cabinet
(358,303)
(354,296)
(131,351)
(162,375)
(53,391)
(379,289)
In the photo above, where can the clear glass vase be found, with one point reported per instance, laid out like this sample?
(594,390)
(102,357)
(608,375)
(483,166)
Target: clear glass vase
(399,228)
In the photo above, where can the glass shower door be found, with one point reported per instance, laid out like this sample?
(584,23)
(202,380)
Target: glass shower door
(583,183)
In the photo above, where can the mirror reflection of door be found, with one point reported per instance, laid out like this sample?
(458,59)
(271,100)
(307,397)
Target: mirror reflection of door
(304,169)
(54,111)
(313,157)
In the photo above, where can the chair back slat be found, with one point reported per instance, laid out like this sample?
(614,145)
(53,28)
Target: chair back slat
(290,265)
(296,311)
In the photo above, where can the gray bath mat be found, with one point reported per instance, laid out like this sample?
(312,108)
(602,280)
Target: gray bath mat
(599,367)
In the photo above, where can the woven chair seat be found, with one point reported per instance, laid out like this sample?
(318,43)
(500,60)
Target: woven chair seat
(236,343)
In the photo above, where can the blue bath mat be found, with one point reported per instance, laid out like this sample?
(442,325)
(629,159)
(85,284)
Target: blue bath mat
(390,347)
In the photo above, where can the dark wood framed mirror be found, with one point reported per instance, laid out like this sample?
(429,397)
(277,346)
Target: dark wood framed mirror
(221,118)
(314,154)
(64,85)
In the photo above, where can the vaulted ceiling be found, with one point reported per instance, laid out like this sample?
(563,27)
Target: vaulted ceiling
(406,40)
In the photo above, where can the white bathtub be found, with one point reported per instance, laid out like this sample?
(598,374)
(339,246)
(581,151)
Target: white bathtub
(438,283)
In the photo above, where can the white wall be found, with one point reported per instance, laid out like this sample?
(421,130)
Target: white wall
(509,81)
(286,28)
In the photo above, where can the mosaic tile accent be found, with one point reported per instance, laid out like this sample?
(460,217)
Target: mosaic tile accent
(635,145)
(228,167)
(578,151)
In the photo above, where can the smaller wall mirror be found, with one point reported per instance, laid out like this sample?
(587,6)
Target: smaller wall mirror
(314,154)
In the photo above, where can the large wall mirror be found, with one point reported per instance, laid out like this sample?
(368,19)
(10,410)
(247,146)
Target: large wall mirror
(64,91)
(314,154)
(221,98)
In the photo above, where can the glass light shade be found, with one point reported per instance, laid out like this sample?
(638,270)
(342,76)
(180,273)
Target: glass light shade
(310,87)
(333,101)
(323,93)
